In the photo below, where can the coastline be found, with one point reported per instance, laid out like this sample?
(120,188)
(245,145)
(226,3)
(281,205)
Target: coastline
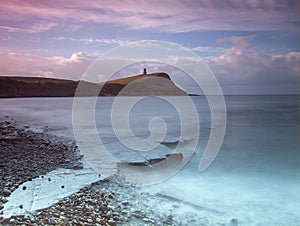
(28,156)
(235,171)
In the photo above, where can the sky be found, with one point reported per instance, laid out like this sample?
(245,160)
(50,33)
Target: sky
(252,46)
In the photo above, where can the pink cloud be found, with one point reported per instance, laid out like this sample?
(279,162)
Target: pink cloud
(34,28)
(32,65)
(238,69)
(108,41)
(169,16)
(242,65)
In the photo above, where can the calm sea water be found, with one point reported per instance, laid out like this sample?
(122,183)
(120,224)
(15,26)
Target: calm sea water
(255,177)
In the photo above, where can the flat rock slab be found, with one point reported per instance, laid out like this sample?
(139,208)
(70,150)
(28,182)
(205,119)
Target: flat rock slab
(47,190)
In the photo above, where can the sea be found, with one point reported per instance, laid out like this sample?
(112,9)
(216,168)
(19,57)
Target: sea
(254,178)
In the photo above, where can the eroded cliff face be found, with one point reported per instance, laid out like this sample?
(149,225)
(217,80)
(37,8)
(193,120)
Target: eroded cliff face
(156,84)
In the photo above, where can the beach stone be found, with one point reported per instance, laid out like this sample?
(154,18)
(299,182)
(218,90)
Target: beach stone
(77,167)
(169,220)
(6,192)
(138,214)
(125,203)
(3,200)
(233,222)
(147,220)
(89,220)
(103,209)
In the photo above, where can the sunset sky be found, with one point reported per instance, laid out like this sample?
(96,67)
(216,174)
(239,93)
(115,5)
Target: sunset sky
(252,46)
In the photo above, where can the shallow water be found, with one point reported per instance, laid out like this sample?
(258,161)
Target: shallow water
(255,177)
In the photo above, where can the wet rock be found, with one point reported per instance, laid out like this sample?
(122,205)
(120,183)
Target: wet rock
(169,220)
(77,167)
(138,214)
(125,203)
(147,220)
(233,222)
(103,209)
(3,200)
(6,192)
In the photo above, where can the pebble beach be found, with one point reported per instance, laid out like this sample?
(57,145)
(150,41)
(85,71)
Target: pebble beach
(27,155)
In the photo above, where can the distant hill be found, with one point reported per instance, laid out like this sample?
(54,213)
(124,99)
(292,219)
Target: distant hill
(156,84)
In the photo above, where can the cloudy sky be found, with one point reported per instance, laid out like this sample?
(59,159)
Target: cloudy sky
(252,46)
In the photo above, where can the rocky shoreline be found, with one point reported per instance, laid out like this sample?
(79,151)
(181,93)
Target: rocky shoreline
(26,155)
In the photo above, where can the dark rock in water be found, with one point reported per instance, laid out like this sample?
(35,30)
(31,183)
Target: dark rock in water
(24,188)
(125,203)
(21,206)
(142,170)
(169,220)
(63,186)
(49,179)
(148,162)
(233,222)
(138,214)
(77,167)
(156,160)
(171,145)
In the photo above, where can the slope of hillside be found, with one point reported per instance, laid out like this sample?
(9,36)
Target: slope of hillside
(125,81)
(156,84)
(36,87)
